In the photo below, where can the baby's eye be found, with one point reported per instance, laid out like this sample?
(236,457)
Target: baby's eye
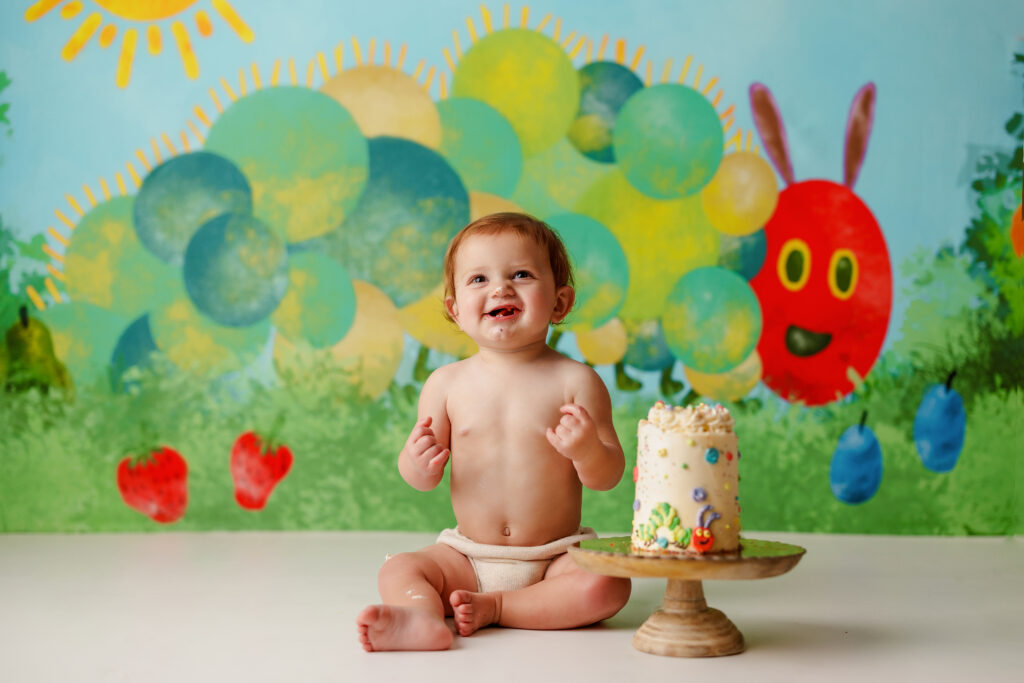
(477,278)
(521,274)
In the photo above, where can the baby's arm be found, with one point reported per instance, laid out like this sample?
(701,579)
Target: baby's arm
(586,435)
(426,451)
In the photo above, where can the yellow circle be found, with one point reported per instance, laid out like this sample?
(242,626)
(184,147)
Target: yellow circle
(484,204)
(843,286)
(425,322)
(384,101)
(605,345)
(369,353)
(742,195)
(728,386)
(794,266)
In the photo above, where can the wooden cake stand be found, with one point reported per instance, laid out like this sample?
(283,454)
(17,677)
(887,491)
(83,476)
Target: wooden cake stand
(685,626)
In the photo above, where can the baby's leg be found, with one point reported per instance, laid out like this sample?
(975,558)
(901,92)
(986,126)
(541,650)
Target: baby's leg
(567,597)
(415,589)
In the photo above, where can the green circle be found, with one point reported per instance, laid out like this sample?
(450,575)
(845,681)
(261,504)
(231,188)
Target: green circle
(599,269)
(481,146)
(712,320)
(528,78)
(304,156)
(320,304)
(106,265)
(668,140)
(553,180)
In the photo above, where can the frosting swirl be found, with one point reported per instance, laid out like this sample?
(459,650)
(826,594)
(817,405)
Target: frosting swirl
(700,417)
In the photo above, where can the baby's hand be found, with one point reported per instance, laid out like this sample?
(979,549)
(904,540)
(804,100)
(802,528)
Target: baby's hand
(423,451)
(575,435)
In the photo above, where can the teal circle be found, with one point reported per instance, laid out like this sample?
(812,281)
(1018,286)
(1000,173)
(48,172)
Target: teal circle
(303,154)
(396,237)
(646,348)
(599,269)
(320,305)
(712,320)
(743,254)
(668,141)
(236,270)
(481,145)
(604,89)
(183,193)
(711,455)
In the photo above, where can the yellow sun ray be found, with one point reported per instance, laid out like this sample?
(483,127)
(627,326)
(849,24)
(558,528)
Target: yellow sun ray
(188,56)
(256,81)
(686,69)
(485,16)
(524,17)
(228,13)
(711,84)
(48,250)
(120,182)
(309,73)
(291,71)
(387,53)
(36,299)
(154,39)
(74,204)
(543,22)
(40,8)
(107,36)
(195,131)
(124,61)
(52,289)
(357,51)
(647,73)
(104,188)
(728,112)
(371,50)
(579,45)
(636,57)
(666,73)
(201,115)
(64,219)
(81,36)
(401,56)
(504,16)
(157,157)
(275,72)
(89,195)
(58,236)
(134,174)
(339,58)
(71,10)
(448,58)
(216,101)
(59,275)
(322,61)
(143,160)
(243,88)
(168,144)
(203,24)
(184,142)
(568,39)
(419,69)
(472,29)
(558,29)
(443,87)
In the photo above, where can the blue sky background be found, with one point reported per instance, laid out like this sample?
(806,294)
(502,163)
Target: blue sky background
(942,69)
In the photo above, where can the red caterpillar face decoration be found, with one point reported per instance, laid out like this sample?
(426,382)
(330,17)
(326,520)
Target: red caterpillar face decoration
(826,285)
(702,539)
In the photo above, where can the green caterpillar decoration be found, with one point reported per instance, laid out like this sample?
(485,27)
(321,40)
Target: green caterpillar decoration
(664,515)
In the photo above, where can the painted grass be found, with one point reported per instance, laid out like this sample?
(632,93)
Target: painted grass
(58,460)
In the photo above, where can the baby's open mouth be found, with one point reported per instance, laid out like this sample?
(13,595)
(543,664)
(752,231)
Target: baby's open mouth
(503,312)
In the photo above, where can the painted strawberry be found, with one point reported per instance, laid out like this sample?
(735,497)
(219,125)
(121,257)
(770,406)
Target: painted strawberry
(256,468)
(155,484)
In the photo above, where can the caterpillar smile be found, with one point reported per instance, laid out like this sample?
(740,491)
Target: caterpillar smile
(503,312)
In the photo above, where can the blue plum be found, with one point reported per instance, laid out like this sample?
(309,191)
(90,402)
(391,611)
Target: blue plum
(856,471)
(939,426)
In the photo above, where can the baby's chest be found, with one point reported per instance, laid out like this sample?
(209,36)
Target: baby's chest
(502,410)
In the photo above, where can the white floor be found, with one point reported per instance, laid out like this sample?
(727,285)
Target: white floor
(281,607)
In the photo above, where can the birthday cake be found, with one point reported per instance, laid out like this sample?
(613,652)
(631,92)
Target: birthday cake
(687,482)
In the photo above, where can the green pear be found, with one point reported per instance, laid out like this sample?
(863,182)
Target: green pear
(31,362)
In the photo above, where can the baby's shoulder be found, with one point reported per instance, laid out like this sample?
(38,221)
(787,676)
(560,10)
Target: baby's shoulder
(575,372)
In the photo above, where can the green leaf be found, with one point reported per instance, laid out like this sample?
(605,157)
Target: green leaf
(1014,124)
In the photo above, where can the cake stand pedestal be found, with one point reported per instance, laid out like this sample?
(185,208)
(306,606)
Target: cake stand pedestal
(684,625)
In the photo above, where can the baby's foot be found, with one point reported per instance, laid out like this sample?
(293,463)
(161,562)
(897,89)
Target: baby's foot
(473,611)
(384,627)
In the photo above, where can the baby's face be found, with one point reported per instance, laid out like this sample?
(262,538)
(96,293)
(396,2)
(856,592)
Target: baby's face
(505,294)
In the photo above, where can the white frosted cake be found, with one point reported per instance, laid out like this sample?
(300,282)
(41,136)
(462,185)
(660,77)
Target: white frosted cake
(687,481)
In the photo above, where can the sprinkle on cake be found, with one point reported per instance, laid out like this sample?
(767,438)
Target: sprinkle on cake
(687,480)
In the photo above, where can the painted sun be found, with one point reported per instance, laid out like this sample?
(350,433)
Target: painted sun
(109,20)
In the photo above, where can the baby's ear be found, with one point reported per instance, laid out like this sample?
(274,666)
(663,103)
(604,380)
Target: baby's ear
(565,297)
(452,308)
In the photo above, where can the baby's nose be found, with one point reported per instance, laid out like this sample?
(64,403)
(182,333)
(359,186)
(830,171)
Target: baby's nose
(503,289)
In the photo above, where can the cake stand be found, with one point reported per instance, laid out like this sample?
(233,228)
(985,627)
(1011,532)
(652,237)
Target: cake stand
(685,626)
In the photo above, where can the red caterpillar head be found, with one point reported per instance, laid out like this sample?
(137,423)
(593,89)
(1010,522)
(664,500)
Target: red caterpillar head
(702,539)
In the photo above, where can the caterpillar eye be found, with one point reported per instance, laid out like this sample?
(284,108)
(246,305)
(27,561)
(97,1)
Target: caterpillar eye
(794,266)
(843,271)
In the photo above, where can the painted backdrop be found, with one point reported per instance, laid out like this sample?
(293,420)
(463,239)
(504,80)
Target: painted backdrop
(222,227)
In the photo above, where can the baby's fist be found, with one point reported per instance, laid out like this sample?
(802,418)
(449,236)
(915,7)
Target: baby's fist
(423,451)
(575,432)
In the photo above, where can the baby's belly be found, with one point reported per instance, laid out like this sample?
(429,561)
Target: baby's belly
(528,507)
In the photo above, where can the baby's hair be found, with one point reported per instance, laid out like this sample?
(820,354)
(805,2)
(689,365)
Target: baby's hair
(519,224)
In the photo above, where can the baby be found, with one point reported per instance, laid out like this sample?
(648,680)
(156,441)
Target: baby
(526,429)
